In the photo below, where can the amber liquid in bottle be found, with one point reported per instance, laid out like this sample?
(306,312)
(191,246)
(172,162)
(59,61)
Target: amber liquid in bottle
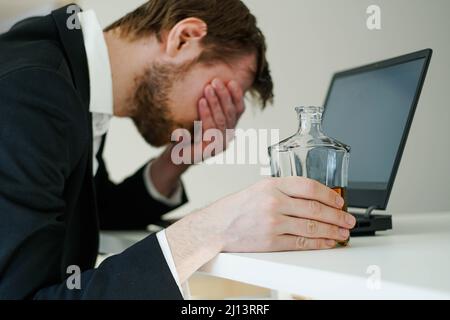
(343,193)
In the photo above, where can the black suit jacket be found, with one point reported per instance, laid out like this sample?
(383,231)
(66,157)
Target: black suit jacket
(51,208)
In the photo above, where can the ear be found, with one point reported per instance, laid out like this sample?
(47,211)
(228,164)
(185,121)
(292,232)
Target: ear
(184,40)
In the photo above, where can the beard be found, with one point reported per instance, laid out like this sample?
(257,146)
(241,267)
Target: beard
(150,111)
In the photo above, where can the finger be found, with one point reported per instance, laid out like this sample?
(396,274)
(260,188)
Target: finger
(226,102)
(304,188)
(315,210)
(311,229)
(237,95)
(216,109)
(296,243)
(205,114)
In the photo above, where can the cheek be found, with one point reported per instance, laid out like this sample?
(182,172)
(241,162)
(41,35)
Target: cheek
(184,103)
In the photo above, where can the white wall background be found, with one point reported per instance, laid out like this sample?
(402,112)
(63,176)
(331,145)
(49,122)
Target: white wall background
(308,41)
(12,11)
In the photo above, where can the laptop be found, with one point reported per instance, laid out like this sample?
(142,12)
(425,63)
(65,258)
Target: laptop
(371,109)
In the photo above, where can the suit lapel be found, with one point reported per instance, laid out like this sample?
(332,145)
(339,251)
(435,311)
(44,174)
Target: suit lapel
(73,45)
(72,41)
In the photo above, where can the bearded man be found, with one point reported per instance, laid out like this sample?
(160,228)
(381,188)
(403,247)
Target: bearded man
(165,65)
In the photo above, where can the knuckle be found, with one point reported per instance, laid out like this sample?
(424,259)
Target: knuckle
(317,244)
(342,217)
(220,90)
(311,227)
(322,244)
(225,94)
(301,243)
(314,244)
(272,223)
(231,114)
(310,187)
(269,183)
(268,226)
(261,185)
(333,232)
(272,242)
(295,179)
(272,204)
(214,102)
(267,242)
(220,121)
(315,208)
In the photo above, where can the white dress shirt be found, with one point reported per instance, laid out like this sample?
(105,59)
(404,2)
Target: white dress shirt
(101,108)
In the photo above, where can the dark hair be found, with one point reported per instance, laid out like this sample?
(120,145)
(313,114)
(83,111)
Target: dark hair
(232,32)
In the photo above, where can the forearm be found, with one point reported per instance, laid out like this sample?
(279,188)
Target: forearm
(139,273)
(194,241)
(164,174)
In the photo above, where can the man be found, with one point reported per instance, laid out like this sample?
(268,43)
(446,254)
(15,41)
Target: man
(164,65)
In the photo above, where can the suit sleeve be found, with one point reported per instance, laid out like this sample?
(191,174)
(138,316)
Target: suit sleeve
(39,124)
(139,273)
(130,196)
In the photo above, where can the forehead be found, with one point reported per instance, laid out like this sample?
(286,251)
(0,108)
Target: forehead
(241,70)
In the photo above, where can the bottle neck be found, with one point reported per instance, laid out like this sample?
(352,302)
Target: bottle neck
(310,123)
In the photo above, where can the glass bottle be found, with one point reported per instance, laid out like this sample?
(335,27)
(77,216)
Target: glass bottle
(311,154)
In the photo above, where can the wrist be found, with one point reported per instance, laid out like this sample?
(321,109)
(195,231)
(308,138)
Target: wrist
(209,230)
(164,174)
(193,242)
(166,160)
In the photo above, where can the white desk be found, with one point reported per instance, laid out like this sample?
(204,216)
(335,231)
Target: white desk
(413,260)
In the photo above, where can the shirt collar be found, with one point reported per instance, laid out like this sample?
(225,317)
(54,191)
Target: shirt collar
(100,76)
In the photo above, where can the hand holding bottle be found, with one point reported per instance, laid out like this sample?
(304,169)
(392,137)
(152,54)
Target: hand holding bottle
(276,214)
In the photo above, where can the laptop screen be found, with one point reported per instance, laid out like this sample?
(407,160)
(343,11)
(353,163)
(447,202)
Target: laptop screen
(369,111)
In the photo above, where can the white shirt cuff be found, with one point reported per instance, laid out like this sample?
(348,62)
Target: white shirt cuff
(176,198)
(162,239)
